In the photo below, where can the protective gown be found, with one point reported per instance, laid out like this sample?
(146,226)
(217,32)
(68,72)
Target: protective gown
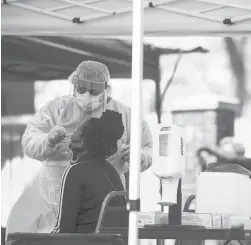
(36,209)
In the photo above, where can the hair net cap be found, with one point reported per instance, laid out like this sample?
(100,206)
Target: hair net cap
(90,72)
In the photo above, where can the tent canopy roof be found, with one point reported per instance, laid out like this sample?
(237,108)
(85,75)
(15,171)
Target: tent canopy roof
(31,58)
(188,17)
(47,58)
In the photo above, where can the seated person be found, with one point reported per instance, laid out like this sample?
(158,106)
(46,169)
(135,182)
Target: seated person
(90,177)
(230,157)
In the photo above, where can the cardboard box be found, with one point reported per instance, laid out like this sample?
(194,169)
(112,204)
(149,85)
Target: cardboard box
(239,221)
(161,218)
(225,221)
(207,220)
(145,218)
(216,221)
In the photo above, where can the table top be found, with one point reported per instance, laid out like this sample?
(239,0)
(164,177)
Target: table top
(183,233)
(63,236)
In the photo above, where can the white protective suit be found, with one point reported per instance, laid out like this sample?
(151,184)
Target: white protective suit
(36,209)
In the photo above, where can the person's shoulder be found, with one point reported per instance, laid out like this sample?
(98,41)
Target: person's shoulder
(74,171)
(108,166)
(75,166)
(78,167)
(81,171)
(118,106)
(58,101)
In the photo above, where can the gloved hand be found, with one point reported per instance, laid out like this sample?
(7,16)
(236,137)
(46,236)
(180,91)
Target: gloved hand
(125,152)
(56,135)
(125,155)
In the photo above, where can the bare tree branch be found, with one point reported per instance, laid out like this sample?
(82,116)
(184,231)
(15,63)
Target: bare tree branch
(164,51)
(236,58)
(170,80)
(177,51)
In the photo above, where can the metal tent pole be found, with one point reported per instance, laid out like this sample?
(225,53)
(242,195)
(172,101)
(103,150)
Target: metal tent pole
(136,120)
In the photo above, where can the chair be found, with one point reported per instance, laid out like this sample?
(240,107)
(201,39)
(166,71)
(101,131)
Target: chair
(224,163)
(109,217)
(3,234)
(113,216)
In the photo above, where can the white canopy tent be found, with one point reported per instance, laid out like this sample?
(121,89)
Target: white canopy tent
(114,17)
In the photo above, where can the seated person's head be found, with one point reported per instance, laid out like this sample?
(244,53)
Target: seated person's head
(231,147)
(98,137)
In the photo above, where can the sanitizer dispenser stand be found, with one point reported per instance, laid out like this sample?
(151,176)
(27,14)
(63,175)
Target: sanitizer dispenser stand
(169,167)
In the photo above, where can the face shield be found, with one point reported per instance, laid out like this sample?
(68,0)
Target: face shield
(90,82)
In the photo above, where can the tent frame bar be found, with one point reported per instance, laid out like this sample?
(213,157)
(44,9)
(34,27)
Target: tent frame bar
(210,9)
(241,18)
(225,4)
(70,3)
(227,21)
(188,13)
(80,4)
(66,6)
(39,10)
(150,4)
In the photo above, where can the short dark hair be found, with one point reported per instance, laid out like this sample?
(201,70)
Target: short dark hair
(101,134)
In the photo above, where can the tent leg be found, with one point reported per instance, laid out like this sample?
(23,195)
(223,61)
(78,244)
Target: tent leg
(136,120)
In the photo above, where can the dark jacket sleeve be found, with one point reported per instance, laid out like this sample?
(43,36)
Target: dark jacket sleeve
(70,201)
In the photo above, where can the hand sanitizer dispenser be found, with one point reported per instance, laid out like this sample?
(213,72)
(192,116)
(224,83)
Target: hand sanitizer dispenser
(169,166)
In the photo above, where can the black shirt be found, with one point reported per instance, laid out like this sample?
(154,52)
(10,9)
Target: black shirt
(83,189)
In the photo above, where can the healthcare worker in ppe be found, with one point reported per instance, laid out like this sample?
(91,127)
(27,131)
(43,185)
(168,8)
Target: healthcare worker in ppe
(47,139)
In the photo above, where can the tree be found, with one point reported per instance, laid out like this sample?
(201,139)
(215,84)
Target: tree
(159,96)
(236,52)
